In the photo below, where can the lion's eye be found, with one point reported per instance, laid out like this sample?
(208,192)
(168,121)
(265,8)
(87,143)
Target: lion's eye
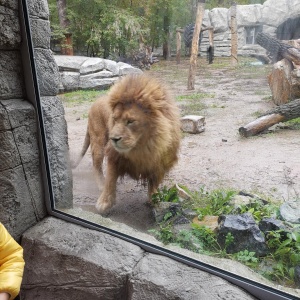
(129,122)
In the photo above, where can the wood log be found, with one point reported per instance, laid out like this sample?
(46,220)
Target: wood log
(281,113)
(280,82)
(277,49)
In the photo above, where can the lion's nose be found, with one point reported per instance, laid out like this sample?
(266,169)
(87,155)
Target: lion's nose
(115,139)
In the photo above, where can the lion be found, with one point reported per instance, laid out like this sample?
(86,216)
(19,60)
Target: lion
(137,127)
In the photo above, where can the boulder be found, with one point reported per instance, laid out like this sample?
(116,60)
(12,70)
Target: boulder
(270,224)
(245,232)
(82,73)
(290,211)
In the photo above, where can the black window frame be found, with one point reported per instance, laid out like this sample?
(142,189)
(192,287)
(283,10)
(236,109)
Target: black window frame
(27,51)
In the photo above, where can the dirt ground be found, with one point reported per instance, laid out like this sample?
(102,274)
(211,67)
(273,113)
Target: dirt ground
(228,97)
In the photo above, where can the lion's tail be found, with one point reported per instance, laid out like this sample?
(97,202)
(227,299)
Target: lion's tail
(85,146)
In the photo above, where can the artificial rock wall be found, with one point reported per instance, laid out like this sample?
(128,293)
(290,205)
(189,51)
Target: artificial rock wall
(269,16)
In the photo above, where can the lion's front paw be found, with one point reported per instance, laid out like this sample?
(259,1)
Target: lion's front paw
(105,203)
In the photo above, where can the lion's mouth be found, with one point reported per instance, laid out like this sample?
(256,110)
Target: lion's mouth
(120,148)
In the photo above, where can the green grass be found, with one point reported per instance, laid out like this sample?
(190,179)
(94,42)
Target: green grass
(294,123)
(79,97)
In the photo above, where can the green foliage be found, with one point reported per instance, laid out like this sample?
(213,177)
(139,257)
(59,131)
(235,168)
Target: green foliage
(215,203)
(284,247)
(108,28)
(259,209)
(165,195)
(246,257)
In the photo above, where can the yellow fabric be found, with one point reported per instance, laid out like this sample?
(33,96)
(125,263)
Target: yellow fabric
(11,264)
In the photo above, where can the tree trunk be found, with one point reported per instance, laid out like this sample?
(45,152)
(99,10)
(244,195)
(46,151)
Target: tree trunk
(195,44)
(277,49)
(281,113)
(66,44)
(234,37)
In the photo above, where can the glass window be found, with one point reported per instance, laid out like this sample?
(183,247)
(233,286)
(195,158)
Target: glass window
(225,205)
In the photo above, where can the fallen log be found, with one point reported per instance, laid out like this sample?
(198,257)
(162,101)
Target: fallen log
(277,49)
(281,113)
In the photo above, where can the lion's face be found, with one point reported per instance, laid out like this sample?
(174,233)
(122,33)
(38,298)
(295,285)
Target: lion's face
(129,127)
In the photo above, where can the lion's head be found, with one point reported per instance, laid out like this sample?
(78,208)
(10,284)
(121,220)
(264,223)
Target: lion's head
(144,124)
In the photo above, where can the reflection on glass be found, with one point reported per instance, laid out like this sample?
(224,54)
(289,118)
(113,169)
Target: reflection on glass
(231,201)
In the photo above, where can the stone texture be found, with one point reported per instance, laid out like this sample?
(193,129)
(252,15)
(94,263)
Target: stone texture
(47,72)
(161,278)
(17,207)
(40,33)
(69,81)
(92,65)
(10,37)
(58,151)
(96,81)
(11,79)
(77,263)
(38,8)
(67,261)
(20,175)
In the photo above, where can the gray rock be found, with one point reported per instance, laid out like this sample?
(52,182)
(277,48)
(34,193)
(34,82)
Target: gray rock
(246,233)
(17,210)
(270,224)
(92,65)
(161,278)
(38,8)
(58,151)
(290,211)
(69,81)
(9,154)
(67,261)
(47,72)
(112,66)
(11,80)
(40,33)
(10,37)
(125,69)
(69,63)
(96,81)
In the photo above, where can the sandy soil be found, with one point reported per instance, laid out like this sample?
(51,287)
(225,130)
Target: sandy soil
(267,164)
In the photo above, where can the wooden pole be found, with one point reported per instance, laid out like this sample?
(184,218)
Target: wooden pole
(178,46)
(195,44)
(234,37)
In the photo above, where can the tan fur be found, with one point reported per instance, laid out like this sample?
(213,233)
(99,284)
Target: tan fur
(137,127)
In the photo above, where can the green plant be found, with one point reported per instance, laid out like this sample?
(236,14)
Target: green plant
(217,203)
(246,257)
(165,194)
